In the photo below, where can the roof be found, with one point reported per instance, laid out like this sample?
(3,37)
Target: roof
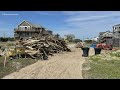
(117,25)
(86,39)
(108,34)
(33,25)
(102,33)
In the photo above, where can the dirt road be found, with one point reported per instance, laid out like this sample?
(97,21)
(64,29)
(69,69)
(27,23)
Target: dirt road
(67,65)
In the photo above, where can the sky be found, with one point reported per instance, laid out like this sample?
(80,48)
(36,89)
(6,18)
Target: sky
(83,24)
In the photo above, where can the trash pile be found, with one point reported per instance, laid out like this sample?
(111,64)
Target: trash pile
(40,48)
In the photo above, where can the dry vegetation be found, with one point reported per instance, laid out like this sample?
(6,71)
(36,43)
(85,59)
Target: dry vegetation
(13,65)
(103,66)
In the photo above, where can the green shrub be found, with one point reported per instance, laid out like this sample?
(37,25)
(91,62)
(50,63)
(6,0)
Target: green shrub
(77,40)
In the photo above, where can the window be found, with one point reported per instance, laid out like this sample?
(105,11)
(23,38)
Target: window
(28,34)
(28,28)
(25,28)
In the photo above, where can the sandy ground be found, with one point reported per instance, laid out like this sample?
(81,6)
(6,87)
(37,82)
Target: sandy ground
(66,65)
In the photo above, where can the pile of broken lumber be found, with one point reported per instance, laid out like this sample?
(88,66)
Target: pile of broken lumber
(41,48)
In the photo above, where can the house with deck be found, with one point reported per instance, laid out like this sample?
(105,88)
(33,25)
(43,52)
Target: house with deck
(27,29)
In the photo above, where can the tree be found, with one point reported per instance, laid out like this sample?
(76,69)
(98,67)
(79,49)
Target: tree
(2,39)
(77,40)
(88,41)
(70,37)
(57,36)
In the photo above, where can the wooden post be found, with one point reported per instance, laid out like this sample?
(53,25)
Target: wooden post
(5,61)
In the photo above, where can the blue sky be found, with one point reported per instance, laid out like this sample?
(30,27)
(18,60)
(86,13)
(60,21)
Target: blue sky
(83,24)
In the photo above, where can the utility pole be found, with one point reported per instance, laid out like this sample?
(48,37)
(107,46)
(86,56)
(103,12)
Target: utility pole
(4,34)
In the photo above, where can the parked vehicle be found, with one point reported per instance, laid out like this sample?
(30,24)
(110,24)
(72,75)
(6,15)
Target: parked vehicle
(104,46)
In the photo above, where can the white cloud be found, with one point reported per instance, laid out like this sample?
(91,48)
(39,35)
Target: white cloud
(42,13)
(10,14)
(70,12)
(46,12)
(74,30)
(90,18)
(76,12)
(88,23)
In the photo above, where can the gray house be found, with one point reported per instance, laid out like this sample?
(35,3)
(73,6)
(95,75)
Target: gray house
(101,37)
(27,29)
(106,37)
(116,32)
(111,37)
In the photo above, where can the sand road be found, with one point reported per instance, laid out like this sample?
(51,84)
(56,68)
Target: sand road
(66,65)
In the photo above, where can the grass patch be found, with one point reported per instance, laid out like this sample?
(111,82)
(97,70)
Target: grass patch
(101,68)
(13,65)
(95,57)
(115,53)
(10,44)
(104,70)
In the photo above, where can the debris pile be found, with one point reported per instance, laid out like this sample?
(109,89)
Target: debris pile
(79,45)
(40,48)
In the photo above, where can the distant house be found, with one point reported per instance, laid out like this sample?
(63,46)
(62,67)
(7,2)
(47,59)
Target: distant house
(95,39)
(106,37)
(111,37)
(116,32)
(27,29)
(100,36)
